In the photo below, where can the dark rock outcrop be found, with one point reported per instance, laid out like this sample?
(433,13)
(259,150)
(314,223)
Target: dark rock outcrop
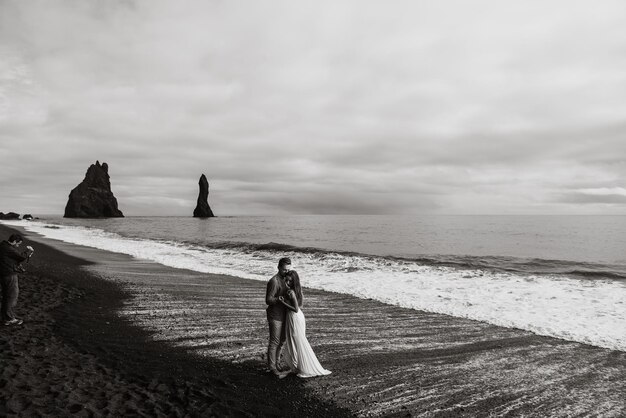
(9,216)
(203,210)
(93,197)
(28,217)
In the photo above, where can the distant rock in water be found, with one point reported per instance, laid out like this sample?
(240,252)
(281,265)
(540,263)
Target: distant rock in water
(9,216)
(28,217)
(203,210)
(93,197)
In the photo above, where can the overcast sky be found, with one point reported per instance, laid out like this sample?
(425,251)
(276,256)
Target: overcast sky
(355,107)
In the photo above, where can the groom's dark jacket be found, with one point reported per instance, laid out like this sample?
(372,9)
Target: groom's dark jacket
(275,287)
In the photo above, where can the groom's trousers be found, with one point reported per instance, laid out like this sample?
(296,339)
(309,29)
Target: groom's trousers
(277,338)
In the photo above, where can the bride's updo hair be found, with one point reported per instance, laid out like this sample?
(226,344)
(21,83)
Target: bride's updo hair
(296,285)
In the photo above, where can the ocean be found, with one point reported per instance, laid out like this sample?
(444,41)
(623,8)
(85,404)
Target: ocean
(560,276)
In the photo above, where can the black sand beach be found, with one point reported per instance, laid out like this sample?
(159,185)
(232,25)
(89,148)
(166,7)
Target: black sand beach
(108,335)
(74,355)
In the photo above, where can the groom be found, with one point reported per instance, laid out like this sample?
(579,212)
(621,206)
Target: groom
(276,312)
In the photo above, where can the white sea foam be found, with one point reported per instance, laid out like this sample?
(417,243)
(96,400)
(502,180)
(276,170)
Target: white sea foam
(588,311)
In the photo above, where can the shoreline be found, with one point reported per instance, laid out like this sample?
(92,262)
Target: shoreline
(536,295)
(385,360)
(75,355)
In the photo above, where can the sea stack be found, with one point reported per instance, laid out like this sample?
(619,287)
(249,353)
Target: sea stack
(203,210)
(93,197)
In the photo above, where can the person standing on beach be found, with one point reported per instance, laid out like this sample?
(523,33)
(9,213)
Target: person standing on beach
(10,261)
(276,313)
(299,355)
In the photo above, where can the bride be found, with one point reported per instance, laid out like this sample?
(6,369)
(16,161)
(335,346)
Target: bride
(299,355)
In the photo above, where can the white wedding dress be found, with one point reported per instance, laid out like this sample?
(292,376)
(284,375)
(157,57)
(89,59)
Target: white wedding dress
(298,354)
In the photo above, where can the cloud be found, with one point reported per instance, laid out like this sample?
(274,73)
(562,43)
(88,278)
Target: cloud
(589,198)
(430,107)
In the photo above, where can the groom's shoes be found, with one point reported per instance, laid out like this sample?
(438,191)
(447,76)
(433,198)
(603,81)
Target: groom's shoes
(279,374)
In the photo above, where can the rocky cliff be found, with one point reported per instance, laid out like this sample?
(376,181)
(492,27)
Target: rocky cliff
(9,216)
(203,210)
(93,197)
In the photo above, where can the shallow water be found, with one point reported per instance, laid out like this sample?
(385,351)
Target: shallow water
(556,276)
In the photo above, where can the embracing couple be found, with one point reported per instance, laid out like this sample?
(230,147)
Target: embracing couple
(288,326)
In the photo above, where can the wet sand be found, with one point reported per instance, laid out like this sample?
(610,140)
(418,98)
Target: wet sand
(106,334)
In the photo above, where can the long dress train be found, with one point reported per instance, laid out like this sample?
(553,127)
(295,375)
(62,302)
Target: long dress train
(299,354)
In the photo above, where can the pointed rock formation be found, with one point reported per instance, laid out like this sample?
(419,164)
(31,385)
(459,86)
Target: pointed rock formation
(203,210)
(93,198)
